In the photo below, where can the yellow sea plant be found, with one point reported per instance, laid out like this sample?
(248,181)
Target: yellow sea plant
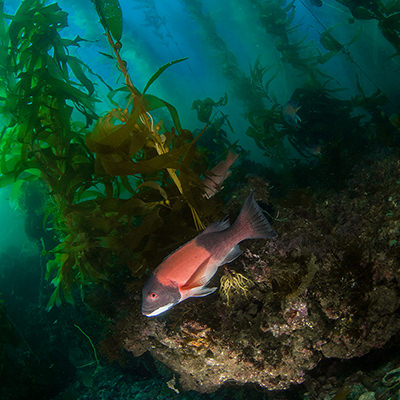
(233,283)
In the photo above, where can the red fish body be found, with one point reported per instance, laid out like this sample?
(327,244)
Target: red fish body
(186,272)
(290,115)
(216,176)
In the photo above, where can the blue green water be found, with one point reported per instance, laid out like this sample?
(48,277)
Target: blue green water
(328,101)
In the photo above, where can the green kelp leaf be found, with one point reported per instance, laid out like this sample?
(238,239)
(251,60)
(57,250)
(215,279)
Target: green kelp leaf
(114,92)
(329,42)
(68,297)
(10,164)
(35,172)
(151,102)
(127,185)
(73,42)
(6,180)
(53,15)
(19,20)
(90,273)
(109,12)
(107,55)
(55,299)
(84,195)
(160,71)
(76,66)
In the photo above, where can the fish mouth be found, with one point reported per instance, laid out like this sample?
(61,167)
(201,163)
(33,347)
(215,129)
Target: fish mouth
(157,311)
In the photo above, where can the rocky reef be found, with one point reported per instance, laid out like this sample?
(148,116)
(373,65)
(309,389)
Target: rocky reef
(328,286)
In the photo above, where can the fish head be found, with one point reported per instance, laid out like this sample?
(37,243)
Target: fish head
(158,297)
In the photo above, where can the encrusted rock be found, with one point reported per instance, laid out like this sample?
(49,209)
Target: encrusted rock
(328,286)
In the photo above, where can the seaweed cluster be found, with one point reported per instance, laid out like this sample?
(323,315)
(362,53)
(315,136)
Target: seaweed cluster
(385,12)
(276,17)
(230,66)
(116,184)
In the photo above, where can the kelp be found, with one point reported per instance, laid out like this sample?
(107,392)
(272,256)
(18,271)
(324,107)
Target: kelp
(110,14)
(276,17)
(385,12)
(204,108)
(122,142)
(230,65)
(120,191)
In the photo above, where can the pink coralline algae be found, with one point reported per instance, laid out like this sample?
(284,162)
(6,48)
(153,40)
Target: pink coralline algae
(328,286)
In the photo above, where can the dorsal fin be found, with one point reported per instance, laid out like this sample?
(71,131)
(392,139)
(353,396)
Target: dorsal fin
(217,226)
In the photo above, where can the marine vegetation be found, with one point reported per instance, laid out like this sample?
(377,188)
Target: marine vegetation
(117,184)
(310,149)
(276,17)
(385,12)
(233,283)
(230,65)
(204,108)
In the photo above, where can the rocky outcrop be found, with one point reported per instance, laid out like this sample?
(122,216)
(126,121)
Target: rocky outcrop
(328,286)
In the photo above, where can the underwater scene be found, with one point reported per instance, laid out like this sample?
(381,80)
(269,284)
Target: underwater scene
(200,199)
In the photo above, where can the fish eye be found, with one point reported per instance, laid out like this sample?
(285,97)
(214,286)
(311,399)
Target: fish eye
(153,295)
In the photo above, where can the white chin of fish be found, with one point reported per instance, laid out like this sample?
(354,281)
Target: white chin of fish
(160,310)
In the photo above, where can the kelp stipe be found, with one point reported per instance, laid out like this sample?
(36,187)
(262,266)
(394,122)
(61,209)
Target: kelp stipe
(137,132)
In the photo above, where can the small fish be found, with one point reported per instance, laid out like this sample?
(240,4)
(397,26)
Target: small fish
(216,176)
(395,120)
(316,3)
(186,272)
(289,112)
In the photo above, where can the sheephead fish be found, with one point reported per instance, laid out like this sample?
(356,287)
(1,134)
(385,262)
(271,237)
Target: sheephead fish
(289,112)
(215,177)
(186,272)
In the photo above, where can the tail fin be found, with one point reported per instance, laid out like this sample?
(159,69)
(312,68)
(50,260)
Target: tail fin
(251,222)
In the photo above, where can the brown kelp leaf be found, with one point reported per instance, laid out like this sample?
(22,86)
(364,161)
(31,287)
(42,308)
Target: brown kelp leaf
(155,185)
(107,137)
(115,164)
(148,226)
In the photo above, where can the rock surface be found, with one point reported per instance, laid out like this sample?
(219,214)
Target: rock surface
(328,286)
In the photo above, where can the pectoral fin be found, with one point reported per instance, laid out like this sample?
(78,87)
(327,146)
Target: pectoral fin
(199,277)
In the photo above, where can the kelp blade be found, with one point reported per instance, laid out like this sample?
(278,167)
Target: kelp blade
(110,15)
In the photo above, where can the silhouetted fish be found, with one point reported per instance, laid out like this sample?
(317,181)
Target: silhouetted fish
(317,3)
(289,112)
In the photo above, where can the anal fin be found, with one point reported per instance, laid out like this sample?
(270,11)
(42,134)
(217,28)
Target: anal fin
(233,254)
(202,291)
